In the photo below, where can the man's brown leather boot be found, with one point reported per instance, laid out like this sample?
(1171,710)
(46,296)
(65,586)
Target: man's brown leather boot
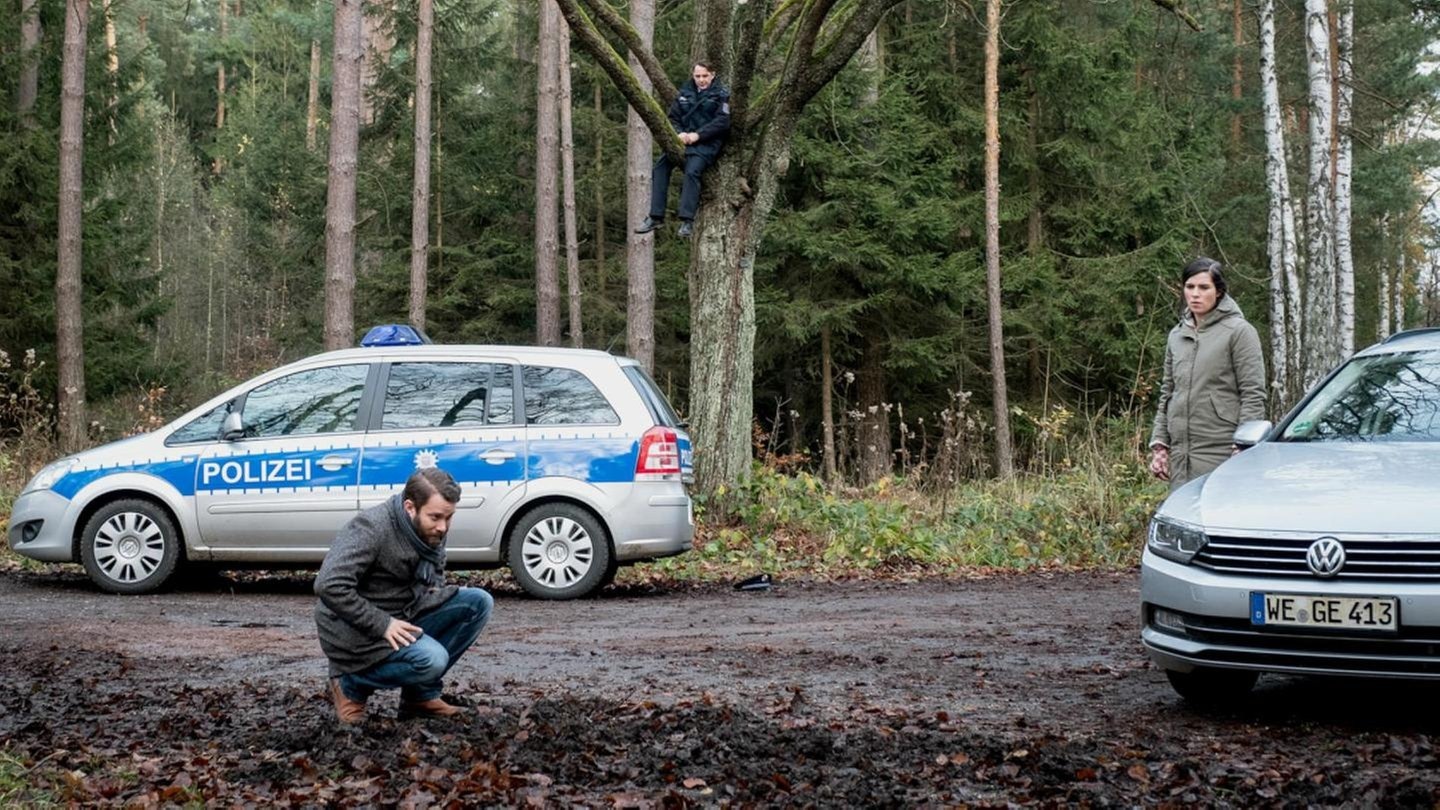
(347,711)
(435,707)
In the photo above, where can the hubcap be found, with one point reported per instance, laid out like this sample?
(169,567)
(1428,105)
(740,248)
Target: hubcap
(557,552)
(129,547)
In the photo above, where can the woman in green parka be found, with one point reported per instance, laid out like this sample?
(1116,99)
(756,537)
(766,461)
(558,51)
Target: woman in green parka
(1214,379)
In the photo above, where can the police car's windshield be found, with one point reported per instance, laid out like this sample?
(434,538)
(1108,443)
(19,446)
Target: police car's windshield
(1383,397)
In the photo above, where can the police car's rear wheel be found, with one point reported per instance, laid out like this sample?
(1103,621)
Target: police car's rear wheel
(559,551)
(130,546)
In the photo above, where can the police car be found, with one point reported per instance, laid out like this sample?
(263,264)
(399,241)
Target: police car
(570,462)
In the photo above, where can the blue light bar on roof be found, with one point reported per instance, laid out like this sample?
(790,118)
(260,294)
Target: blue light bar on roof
(394,334)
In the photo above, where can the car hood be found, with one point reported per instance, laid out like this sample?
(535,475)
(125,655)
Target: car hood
(1327,487)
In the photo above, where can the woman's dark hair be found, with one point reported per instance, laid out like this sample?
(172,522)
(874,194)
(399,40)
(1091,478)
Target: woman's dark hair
(427,482)
(1206,265)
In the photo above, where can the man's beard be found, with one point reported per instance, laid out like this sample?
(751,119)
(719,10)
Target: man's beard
(420,533)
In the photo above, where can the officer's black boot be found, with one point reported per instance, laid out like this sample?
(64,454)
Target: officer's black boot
(650,224)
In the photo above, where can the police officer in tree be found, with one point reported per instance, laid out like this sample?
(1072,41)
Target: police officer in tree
(701,114)
(386,617)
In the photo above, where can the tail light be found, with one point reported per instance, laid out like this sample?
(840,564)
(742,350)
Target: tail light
(659,458)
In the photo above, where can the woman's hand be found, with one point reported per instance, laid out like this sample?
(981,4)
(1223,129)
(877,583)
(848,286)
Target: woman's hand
(1160,462)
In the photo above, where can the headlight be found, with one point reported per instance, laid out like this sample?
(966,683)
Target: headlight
(49,475)
(1174,540)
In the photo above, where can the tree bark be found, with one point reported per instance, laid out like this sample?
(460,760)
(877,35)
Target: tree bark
(547,273)
(29,66)
(873,428)
(312,102)
(827,404)
(1285,313)
(69,321)
(1344,165)
(639,248)
(567,178)
(1321,320)
(112,74)
(1035,225)
(340,195)
(599,193)
(217,165)
(1004,454)
(1237,76)
(1382,298)
(420,192)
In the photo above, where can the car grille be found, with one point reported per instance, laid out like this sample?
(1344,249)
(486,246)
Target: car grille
(1409,652)
(1385,559)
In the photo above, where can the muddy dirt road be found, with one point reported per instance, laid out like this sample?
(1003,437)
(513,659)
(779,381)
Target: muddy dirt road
(1013,689)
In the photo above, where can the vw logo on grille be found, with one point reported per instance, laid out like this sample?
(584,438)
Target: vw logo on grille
(1325,557)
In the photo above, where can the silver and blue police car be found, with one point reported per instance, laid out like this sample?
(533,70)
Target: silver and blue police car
(1315,551)
(571,463)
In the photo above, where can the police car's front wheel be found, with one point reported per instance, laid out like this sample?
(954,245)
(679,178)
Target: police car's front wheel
(559,551)
(130,546)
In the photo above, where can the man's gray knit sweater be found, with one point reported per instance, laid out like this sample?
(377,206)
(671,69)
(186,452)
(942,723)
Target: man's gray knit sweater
(367,578)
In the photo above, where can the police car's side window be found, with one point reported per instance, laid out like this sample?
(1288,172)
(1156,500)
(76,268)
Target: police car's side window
(562,396)
(502,396)
(427,395)
(322,400)
(204,428)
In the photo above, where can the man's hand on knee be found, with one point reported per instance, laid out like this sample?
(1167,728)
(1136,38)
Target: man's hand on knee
(401,633)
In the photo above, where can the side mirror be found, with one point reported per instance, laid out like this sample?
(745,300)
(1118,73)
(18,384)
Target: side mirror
(232,428)
(1251,433)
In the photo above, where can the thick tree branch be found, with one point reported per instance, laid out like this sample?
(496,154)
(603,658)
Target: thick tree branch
(621,27)
(836,52)
(1173,6)
(588,38)
(747,57)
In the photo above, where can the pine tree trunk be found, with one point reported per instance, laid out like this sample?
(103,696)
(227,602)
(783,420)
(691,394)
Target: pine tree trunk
(1382,297)
(1321,320)
(1004,455)
(112,74)
(217,165)
(1281,233)
(873,428)
(599,193)
(312,102)
(340,195)
(547,273)
(567,177)
(420,193)
(1344,165)
(1035,225)
(639,248)
(1237,77)
(29,66)
(69,322)
(827,405)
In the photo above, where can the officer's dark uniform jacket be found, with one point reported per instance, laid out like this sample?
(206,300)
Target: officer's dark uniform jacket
(704,112)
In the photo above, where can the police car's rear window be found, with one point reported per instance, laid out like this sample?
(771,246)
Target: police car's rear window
(650,392)
(436,395)
(563,396)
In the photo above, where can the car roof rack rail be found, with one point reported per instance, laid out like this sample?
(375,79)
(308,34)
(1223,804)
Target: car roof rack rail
(1422,330)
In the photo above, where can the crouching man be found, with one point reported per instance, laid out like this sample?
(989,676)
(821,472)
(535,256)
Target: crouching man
(386,617)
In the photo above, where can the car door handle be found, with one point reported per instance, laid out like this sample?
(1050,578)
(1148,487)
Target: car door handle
(497,456)
(333,463)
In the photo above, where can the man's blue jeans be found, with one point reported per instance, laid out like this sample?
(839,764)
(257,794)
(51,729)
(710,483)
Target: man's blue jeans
(417,669)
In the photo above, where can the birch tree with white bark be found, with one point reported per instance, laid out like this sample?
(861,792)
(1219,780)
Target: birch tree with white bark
(1344,167)
(1322,344)
(1285,314)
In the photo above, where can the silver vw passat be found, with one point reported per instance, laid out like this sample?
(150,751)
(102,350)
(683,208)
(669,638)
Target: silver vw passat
(1317,549)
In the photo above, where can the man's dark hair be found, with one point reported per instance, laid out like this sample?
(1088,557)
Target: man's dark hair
(1205,264)
(429,481)
(705,63)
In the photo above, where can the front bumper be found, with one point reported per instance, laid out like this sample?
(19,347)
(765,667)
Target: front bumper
(1215,609)
(42,517)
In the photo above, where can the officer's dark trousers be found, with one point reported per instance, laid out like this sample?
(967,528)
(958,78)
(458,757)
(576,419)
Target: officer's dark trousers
(695,165)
